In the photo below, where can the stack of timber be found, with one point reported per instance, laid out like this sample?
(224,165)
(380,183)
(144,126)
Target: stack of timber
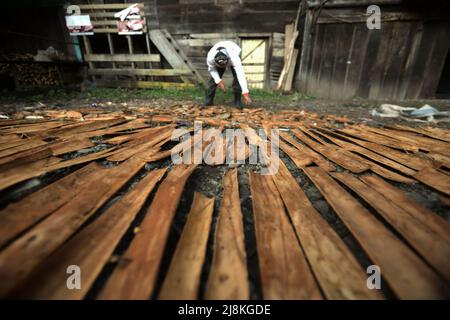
(118,235)
(28,72)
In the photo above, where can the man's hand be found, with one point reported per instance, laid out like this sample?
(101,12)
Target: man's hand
(221,86)
(247,99)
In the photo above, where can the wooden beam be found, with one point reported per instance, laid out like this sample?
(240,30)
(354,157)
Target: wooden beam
(182,281)
(406,273)
(122,57)
(228,277)
(135,276)
(285,273)
(91,248)
(338,272)
(108,6)
(140,72)
(142,84)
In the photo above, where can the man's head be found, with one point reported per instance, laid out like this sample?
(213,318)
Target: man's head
(221,57)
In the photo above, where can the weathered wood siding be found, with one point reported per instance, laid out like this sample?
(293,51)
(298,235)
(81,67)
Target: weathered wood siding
(225,16)
(403,60)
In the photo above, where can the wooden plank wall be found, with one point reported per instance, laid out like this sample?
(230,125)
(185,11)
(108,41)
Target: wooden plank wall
(225,16)
(403,60)
(199,24)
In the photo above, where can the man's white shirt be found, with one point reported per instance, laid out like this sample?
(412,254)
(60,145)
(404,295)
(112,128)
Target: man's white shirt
(233,51)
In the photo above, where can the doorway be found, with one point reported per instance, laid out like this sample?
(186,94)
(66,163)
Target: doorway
(254,61)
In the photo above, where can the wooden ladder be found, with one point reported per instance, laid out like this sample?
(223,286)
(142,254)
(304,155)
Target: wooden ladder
(170,49)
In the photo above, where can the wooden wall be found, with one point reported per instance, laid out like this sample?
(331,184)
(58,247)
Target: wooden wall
(403,60)
(225,16)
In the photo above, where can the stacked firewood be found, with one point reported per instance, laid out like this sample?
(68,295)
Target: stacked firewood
(27,72)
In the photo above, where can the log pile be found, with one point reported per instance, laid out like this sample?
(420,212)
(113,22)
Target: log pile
(27,72)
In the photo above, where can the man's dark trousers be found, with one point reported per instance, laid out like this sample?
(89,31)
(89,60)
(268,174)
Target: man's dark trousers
(211,91)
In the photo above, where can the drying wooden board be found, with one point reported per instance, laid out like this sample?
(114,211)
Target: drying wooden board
(26,171)
(423,142)
(84,126)
(148,147)
(135,275)
(296,156)
(378,139)
(19,259)
(369,154)
(435,179)
(182,281)
(285,273)
(20,146)
(90,249)
(406,273)
(144,134)
(318,159)
(430,132)
(228,276)
(374,166)
(407,159)
(33,128)
(438,224)
(339,156)
(24,157)
(338,272)
(21,215)
(434,248)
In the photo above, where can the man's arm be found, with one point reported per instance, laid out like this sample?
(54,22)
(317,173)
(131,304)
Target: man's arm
(239,69)
(214,73)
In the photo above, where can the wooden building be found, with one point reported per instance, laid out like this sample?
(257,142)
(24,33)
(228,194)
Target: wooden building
(338,57)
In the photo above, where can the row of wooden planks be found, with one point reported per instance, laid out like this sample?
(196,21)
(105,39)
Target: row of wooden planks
(300,256)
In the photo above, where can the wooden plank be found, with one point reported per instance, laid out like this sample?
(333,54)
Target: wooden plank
(285,274)
(183,277)
(430,132)
(135,276)
(82,127)
(122,57)
(414,208)
(19,259)
(341,157)
(91,248)
(168,51)
(108,6)
(290,71)
(33,128)
(407,275)
(148,133)
(140,72)
(371,155)
(382,140)
(435,179)
(410,160)
(138,146)
(24,157)
(435,249)
(318,159)
(19,216)
(338,272)
(423,143)
(296,156)
(70,146)
(143,84)
(228,276)
(21,145)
